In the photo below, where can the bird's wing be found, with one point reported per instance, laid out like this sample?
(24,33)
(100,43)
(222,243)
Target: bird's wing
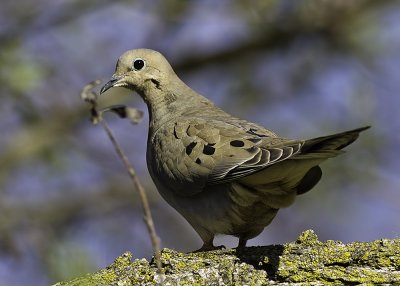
(217,152)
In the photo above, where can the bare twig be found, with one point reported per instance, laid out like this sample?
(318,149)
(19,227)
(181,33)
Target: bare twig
(96,116)
(143,197)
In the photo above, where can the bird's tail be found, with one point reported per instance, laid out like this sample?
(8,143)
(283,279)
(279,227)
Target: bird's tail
(316,150)
(281,182)
(329,146)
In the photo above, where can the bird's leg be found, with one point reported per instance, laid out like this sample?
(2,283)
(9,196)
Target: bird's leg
(242,243)
(208,245)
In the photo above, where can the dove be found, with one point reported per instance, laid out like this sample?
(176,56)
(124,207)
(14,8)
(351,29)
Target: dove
(223,174)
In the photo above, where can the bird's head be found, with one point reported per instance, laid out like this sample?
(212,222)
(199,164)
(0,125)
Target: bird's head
(140,70)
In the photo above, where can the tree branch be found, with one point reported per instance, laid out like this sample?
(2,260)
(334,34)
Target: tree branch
(307,260)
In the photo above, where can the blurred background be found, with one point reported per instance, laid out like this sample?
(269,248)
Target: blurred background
(302,68)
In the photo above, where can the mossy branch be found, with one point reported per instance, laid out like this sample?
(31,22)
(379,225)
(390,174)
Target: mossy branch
(306,261)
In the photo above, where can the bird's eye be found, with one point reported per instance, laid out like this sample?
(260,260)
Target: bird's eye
(138,64)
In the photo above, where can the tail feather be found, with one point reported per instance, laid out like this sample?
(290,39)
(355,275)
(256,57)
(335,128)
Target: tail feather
(280,182)
(332,142)
(322,148)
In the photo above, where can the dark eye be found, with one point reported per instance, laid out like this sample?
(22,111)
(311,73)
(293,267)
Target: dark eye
(138,64)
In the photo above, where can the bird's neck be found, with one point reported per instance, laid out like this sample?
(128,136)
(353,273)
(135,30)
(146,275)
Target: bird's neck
(168,103)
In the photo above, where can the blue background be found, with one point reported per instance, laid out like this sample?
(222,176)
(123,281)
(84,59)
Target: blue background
(301,68)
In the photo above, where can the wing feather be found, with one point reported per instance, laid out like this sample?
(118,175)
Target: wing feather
(235,169)
(216,152)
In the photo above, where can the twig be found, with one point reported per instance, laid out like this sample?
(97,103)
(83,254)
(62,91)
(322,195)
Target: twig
(96,116)
(148,219)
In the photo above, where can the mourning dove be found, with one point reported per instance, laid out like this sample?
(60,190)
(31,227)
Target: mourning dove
(223,174)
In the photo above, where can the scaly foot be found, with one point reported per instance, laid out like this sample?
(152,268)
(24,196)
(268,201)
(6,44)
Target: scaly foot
(209,247)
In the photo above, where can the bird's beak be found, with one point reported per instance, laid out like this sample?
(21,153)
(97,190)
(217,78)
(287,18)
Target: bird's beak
(112,82)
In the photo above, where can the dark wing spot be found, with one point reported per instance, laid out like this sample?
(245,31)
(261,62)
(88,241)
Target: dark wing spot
(211,144)
(254,140)
(237,143)
(253,131)
(208,150)
(189,148)
(176,136)
(198,161)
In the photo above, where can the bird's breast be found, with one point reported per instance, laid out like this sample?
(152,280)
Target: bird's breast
(170,165)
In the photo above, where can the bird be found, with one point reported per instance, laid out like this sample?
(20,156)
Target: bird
(223,174)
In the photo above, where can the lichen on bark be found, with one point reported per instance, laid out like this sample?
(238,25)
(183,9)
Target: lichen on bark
(306,261)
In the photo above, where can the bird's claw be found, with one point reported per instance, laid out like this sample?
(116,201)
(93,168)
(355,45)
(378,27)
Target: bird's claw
(206,247)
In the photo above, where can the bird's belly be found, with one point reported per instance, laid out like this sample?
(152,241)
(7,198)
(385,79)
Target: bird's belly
(218,210)
(209,209)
